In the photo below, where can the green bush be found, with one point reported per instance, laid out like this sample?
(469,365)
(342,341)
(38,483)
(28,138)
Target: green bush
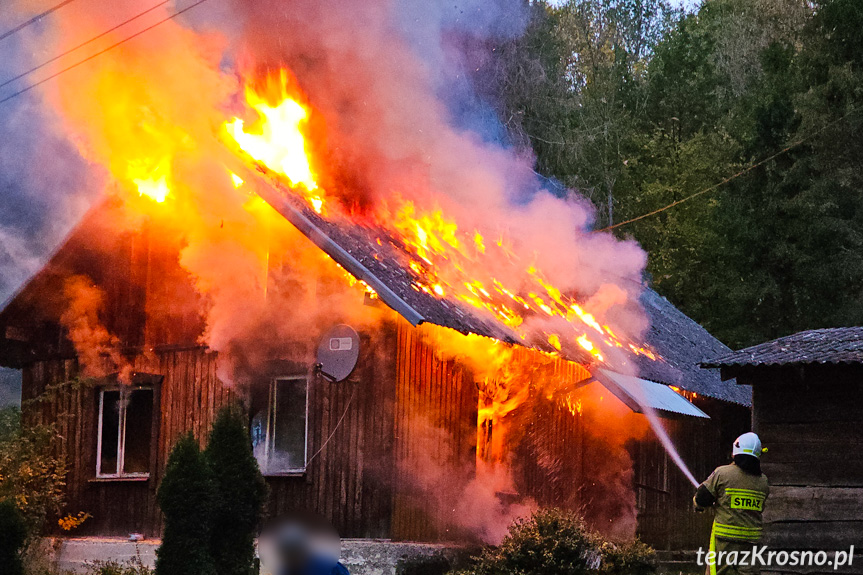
(186,497)
(549,542)
(240,492)
(557,542)
(13,536)
(32,469)
(628,558)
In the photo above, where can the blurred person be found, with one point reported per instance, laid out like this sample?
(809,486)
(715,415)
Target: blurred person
(301,545)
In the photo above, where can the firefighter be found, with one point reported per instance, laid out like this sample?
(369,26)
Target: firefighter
(737,493)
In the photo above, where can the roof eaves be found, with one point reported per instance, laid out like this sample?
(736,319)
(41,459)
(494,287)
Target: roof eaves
(331,248)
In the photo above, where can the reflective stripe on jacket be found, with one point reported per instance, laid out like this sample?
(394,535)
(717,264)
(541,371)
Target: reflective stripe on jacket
(740,499)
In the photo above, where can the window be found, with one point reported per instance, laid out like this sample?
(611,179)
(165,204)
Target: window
(280,427)
(125,432)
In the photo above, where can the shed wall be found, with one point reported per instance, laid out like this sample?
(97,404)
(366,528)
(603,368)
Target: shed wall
(812,424)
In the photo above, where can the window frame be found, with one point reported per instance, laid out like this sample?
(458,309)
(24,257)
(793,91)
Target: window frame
(269,433)
(125,393)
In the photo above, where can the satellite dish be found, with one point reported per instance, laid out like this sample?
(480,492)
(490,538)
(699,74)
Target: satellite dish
(338,352)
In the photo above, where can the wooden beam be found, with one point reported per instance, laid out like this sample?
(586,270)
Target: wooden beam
(814,504)
(817,535)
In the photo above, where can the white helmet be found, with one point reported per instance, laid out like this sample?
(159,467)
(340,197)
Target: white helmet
(747,444)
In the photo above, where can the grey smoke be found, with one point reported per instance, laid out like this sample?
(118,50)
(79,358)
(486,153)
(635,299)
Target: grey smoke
(45,185)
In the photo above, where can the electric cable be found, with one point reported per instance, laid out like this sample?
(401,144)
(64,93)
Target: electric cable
(34,19)
(336,428)
(99,53)
(732,177)
(81,45)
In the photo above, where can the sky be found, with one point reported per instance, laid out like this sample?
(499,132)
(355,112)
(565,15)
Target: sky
(10,387)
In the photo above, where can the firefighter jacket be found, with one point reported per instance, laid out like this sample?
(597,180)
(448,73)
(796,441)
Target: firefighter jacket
(739,500)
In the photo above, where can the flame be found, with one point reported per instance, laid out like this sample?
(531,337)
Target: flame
(445,261)
(150,178)
(278,140)
(589,347)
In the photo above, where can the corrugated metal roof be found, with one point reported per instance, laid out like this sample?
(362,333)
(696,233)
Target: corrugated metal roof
(841,345)
(637,393)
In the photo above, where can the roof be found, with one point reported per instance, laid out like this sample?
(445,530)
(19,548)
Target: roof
(636,393)
(841,345)
(684,345)
(378,263)
(372,256)
(679,340)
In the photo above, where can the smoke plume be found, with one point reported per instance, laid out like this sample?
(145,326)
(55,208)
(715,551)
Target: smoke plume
(396,122)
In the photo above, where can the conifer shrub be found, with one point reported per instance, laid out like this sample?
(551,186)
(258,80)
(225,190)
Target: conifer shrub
(549,542)
(240,492)
(13,536)
(186,497)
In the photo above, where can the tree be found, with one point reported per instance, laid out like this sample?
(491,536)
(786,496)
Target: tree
(186,496)
(13,536)
(572,89)
(240,493)
(638,109)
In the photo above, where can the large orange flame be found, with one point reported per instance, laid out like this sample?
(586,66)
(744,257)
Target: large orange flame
(278,140)
(446,261)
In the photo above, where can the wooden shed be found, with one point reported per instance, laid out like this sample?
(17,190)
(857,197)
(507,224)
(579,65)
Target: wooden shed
(348,450)
(807,407)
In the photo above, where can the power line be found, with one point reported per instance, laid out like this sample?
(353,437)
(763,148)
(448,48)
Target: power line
(81,45)
(34,19)
(732,177)
(100,52)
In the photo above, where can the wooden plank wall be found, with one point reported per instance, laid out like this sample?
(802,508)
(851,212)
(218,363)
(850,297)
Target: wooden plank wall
(813,430)
(551,442)
(666,519)
(435,438)
(549,454)
(546,434)
(188,397)
(349,481)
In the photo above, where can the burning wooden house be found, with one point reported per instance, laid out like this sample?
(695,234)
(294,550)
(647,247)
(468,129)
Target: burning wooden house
(418,441)
(806,406)
(426,339)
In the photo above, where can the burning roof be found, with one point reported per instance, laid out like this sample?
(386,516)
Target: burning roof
(679,342)
(375,257)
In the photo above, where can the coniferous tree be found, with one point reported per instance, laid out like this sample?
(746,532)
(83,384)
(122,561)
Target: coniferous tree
(13,535)
(186,497)
(240,494)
